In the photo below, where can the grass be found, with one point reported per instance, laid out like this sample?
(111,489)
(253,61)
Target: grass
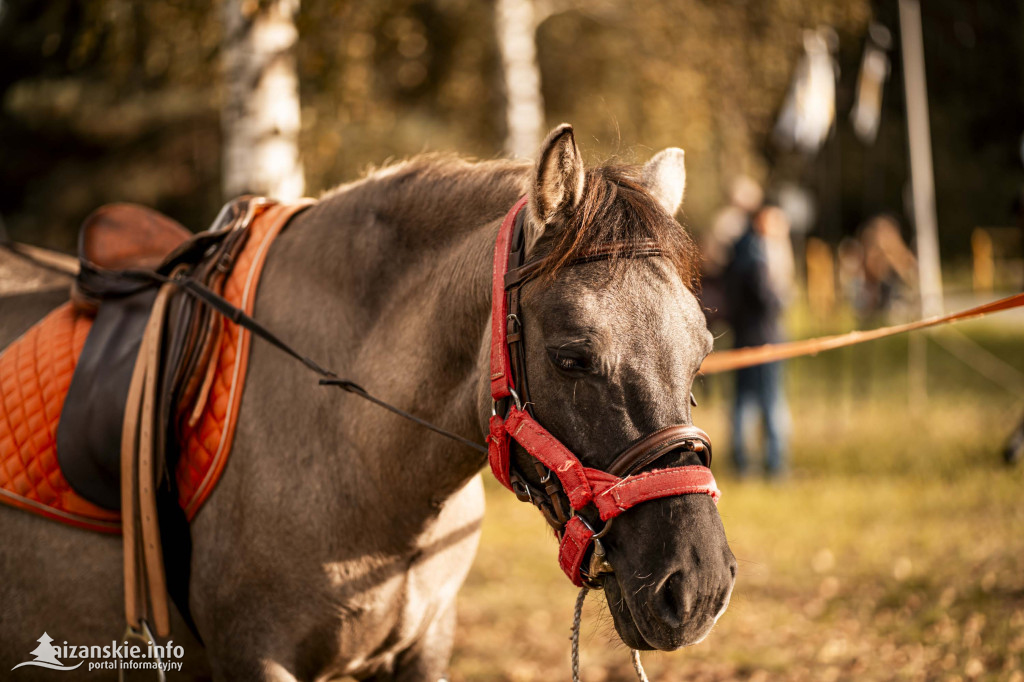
(894,552)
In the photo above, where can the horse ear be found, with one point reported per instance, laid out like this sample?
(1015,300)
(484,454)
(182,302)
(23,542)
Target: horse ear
(557,183)
(664,176)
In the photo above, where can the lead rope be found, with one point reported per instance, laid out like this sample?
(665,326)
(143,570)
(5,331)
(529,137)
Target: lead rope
(577,616)
(576,619)
(638,666)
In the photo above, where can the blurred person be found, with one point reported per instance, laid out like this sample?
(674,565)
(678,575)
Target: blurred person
(728,225)
(779,251)
(850,255)
(758,284)
(890,268)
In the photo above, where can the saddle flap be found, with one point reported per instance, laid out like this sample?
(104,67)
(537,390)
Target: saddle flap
(129,237)
(89,431)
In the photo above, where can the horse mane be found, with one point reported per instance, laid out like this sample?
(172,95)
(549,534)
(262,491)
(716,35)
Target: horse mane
(616,208)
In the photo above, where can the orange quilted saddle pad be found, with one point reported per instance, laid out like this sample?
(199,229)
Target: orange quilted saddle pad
(36,371)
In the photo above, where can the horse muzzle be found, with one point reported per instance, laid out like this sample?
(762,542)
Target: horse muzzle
(667,590)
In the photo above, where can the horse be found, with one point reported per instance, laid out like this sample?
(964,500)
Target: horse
(338,536)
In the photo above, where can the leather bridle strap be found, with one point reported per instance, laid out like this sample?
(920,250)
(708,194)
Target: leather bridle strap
(661,442)
(501,363)
(615,495)
(561,473)
(518,276)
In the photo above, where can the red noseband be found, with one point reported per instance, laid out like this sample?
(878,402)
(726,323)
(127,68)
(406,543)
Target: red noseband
(610,492)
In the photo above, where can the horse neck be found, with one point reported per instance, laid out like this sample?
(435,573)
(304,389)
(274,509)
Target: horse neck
(418,325)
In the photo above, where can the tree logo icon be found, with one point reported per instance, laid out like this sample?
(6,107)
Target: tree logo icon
(46,656)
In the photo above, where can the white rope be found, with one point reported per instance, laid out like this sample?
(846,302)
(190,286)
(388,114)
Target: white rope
(638,666)
(576,619)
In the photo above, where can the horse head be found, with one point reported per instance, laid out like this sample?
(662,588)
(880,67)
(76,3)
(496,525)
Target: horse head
(611,349)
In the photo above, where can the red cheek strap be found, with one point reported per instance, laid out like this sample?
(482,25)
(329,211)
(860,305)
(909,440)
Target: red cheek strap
(576,540)
(498,451)
(552,454)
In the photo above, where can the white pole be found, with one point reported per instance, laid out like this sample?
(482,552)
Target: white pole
(921,175)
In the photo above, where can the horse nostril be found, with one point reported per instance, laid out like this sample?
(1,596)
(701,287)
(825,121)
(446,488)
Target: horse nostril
(676,600)
(680,601)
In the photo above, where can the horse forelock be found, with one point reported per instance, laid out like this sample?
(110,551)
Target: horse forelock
(616,208)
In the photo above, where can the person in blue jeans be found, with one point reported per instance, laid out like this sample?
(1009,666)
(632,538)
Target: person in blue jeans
(757,284)
(759,390)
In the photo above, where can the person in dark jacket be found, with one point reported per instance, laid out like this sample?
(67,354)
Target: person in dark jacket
(756,289)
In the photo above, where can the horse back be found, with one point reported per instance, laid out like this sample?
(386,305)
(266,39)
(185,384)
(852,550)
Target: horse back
(18,312)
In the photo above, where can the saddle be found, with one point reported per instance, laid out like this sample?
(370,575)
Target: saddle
(134,386)
(141,366)
(118,246)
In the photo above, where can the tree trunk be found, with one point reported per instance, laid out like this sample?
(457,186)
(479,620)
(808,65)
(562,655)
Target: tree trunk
(261,115)
(516,26)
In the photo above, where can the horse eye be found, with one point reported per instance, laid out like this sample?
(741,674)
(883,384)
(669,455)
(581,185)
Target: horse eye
(569,362)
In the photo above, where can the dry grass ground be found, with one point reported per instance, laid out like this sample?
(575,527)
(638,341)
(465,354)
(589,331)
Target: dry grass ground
(894,552)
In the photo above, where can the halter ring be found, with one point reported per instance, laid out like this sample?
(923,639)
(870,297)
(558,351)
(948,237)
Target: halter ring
(515,399)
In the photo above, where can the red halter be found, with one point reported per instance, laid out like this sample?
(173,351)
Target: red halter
(610,494)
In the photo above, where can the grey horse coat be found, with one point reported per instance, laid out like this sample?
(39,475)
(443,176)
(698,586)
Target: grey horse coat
(339,534)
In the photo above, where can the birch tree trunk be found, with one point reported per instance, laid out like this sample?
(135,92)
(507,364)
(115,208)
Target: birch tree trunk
(260,116)
(516,26)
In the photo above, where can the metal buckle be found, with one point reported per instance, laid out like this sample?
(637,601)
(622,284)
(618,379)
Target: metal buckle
(597,535)
(702,448)
(599,562)
(515,399)
(145,636)
(522,491)
(598,558)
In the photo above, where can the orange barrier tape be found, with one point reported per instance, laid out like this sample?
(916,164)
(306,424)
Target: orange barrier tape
(739,358)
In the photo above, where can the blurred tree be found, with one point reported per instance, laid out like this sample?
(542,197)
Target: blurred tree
(104,100)
(516,25)
(260,115)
